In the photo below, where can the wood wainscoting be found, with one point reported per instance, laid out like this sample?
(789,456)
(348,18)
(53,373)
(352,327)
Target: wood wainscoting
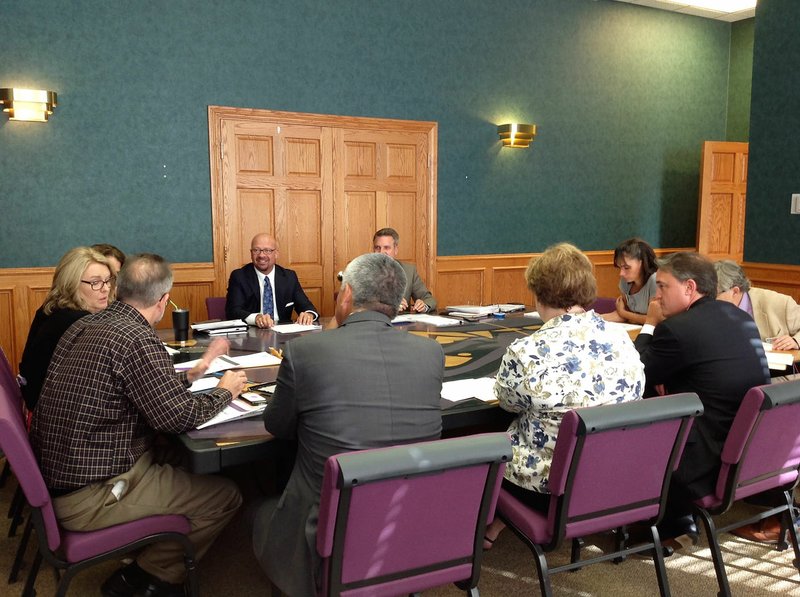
(461,279)
(488,279)
(23,290)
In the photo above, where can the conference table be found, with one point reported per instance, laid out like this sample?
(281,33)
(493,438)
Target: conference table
(472,350)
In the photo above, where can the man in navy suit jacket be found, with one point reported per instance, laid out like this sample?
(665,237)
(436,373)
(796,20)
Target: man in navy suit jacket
(246,287)
(694,343)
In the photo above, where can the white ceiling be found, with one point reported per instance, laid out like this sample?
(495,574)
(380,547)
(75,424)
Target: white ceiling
(699,12)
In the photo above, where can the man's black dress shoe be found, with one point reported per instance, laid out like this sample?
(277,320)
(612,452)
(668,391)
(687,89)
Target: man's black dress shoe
(125,581)
(159,588)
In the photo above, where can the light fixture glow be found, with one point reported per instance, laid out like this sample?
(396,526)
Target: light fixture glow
(516,135)
(727,6)
(33,105)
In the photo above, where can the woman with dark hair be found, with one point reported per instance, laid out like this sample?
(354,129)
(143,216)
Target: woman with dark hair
(574,360)
(637,266)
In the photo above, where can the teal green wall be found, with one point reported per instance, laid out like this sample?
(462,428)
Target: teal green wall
(772,235)
(623,96)
(741,79)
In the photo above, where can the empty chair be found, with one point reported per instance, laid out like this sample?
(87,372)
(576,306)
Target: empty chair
(215,305)
(761,452)
(402,519)
(611,467)
(68,550)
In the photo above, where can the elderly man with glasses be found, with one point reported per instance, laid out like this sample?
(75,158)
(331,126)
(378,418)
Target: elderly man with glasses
(264,293)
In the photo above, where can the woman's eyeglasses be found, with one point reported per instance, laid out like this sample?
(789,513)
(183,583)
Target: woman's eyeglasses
(98,284)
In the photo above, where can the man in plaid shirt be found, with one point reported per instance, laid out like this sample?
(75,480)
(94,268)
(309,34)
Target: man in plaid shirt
(110,387)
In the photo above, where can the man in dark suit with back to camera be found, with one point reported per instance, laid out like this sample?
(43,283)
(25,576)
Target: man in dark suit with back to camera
(693,343)
(264,293)
(416,296)
(361,385)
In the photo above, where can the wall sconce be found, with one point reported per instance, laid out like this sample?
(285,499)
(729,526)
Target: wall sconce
(33,105)
(516,135)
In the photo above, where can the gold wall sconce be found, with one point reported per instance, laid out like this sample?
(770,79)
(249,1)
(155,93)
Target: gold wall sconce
(33,105)
(516,135)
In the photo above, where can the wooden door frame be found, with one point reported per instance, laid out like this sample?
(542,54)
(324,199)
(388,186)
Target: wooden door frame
(216,116)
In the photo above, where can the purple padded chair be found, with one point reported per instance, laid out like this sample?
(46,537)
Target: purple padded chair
(761,452)
(215,305)
(69,550)
(402,519)
(604,304)
(611,468)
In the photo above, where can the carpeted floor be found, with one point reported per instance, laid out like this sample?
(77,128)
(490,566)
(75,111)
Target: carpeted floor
(230,570)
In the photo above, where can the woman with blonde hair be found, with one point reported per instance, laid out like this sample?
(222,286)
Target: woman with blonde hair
(576,359)
(82,284)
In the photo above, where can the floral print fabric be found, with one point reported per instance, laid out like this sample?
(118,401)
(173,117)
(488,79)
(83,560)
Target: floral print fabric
(572,361)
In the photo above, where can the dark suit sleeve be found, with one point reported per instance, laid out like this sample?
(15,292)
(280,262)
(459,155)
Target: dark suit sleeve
(297,296)
(661,354)
(236,303)
(420,291)
(280,416)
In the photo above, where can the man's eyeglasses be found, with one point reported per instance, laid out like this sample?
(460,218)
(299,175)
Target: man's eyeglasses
(98,284)
(264,251)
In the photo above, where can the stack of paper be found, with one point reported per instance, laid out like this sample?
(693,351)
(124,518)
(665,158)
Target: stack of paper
(224,362)
(474,309)
(294,328)
(435,320)
(237,409)
(218,328)
(481,388)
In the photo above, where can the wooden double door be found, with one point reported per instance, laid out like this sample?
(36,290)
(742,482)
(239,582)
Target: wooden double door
(322,185)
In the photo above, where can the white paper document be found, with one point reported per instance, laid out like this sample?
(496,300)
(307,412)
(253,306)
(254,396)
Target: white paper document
(778,361)
(534,314)
(225,362)
(293,328)
(628,327)
(475,309)
(216,325)
(481,388)
(435,320)
(237,409)
(204,383)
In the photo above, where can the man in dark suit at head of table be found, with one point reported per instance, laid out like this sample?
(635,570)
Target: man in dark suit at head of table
(362,385)
(692,342)
(263,293)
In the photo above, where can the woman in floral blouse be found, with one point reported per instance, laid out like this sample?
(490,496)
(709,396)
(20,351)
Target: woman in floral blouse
(576,359)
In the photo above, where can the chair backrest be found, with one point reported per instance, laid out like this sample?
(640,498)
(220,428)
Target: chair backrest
(603,304)
(215,305)
(612,464)
(402,519)
(6,371)
(762,450)
(17,448)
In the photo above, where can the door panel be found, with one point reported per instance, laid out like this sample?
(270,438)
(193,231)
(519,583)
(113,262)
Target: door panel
(322,185)
(723,192)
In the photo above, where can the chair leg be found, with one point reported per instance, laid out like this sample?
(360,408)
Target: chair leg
(716,553)
(544,574)
(575,552)
(15,510)
(4,475)
(191,577)
(29,590)
(473,592)
(791,520)
(658,558)
(21,549)
(621,537)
